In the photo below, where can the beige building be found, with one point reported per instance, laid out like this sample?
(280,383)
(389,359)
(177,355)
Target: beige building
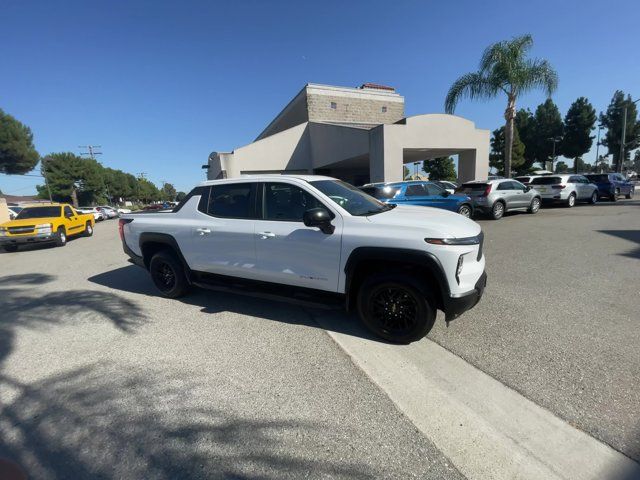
(360,135)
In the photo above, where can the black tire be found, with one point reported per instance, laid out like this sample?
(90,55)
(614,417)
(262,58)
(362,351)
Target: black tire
(613,197)
(497,211)
(88,230)
(534,207)
(629,195)
(168,274)
(465,210)
(571,201)
(594,198)
(60,237)
(386,301)
(10,248)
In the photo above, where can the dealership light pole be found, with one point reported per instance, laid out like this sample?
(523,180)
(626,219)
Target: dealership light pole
(555,140)
(595,164)
(622,139)
(46,181)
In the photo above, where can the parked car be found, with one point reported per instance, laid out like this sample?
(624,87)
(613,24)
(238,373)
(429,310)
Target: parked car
(98,216)
(109,211)
(323,239)
(425,194)
(123,210)
(45,223)
(565,189)
(448,186)
(496,197)
(611,185)
(495,177)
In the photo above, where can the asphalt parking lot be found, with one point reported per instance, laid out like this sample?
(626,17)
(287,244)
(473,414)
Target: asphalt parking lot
(93,365)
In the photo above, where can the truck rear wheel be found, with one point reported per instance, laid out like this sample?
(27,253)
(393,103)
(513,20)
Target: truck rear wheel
(168,275)
(395,308)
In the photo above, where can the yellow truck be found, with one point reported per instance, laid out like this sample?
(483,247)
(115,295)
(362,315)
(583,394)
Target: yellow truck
(53,222)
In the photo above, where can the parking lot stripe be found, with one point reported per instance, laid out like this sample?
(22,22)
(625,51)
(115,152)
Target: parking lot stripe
(485,428)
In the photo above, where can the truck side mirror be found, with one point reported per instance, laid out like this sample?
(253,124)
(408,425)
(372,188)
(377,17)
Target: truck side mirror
(318,217)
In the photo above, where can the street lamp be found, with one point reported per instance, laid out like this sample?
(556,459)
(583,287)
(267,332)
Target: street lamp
(622,139)
(46,180)
(555,140)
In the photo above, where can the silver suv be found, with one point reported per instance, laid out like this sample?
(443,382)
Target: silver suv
(565,189)
(495,197)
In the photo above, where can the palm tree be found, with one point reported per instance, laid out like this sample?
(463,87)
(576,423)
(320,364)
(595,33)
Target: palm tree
(504,67)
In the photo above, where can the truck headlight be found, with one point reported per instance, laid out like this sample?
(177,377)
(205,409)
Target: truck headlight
(4,232)
(454,241)
(43,228)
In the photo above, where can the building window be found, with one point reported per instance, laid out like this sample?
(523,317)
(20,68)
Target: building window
(384,109)
(334,105)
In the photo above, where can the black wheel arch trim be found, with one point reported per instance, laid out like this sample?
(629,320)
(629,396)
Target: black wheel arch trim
(401,255)
(165,239)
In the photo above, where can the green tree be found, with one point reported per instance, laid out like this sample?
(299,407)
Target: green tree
(496,156)
(180,196)
(441,168)
(147,191)
(579,165)
(561,167)
(578,123)
(17,153)
(72,178)
(547,126)
(505,68)
(168,192)
(612,120)
(525,124)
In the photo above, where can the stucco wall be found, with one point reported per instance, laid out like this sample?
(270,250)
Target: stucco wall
(353,110)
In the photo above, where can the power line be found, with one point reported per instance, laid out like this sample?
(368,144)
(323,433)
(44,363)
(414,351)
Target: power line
(91,150)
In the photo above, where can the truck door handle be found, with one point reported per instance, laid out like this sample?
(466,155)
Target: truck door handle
(265,235)
(203,231)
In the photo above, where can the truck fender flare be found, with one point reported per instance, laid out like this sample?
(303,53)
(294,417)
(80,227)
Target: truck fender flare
(420,258)
(164,239)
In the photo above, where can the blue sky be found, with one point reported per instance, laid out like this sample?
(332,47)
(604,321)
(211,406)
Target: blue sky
(161,84)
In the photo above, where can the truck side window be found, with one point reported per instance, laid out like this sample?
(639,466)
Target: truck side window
(286,202)
(232,200)
(68,212)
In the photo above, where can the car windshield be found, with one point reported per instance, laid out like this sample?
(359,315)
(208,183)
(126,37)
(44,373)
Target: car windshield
(38,212)
(598,178)
(16,209)
(546,181)
(350,198)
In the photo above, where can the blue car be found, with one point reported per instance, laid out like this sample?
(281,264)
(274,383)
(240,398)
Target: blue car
(611,185)
(426,194)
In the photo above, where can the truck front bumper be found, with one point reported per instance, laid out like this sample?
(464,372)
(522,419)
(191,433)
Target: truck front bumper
(26,239)
(458,304)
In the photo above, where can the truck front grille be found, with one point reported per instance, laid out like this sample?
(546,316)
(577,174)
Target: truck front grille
(21,230)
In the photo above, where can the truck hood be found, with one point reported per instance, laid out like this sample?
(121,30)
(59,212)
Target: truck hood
(436,222)
(27,222)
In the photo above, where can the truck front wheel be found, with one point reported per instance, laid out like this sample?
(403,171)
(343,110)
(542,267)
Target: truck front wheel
(60,237)
(168,275)
(395,308)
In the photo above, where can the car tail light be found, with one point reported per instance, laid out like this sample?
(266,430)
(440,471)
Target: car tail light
(487,191)
(558,187)
(121,223)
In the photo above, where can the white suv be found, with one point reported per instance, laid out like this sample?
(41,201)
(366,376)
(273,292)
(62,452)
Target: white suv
(323,239)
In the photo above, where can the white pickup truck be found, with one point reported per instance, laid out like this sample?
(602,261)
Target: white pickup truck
(322,238)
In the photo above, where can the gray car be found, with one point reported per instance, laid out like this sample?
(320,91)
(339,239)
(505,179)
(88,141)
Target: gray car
(495,197)
(565,189)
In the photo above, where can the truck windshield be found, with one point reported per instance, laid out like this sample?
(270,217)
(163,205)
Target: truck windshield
(350,198)
(38,212)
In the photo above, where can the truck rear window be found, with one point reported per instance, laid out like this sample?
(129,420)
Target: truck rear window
(38,212)
(546,181)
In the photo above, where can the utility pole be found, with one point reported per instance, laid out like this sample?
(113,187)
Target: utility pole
(553,156)
(46,181)
(595,165)
(90,150)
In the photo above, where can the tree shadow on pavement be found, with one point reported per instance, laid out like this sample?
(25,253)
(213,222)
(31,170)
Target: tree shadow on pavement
(101,423)
(631,236)
(134,279)
(24,306)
